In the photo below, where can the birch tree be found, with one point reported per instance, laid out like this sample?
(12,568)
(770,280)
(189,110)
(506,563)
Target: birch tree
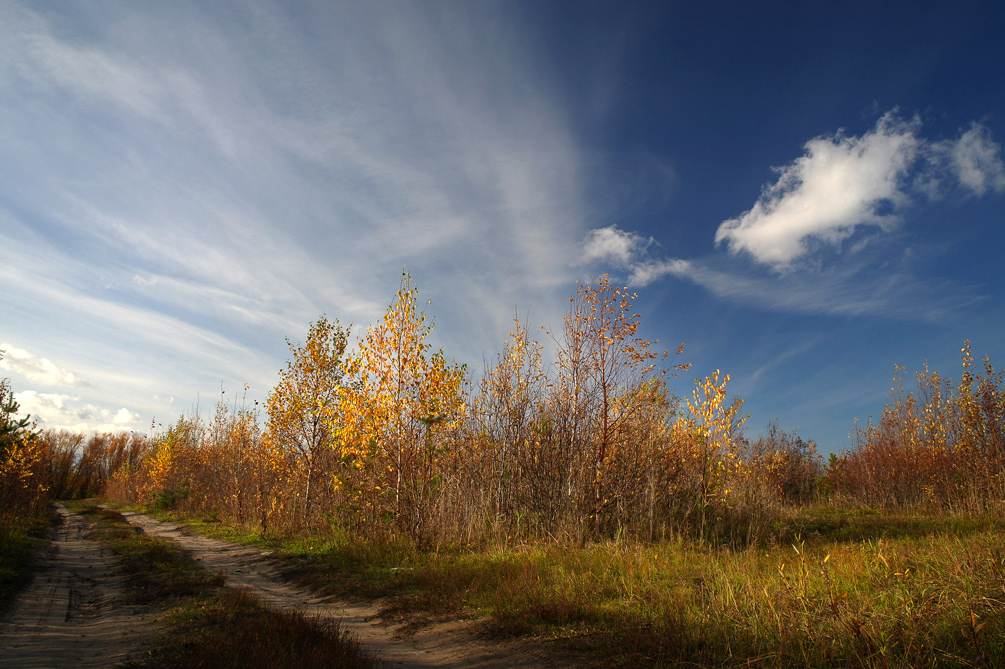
(307,401)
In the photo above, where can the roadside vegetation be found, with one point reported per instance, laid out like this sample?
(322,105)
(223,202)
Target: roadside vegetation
(848,587)
(23,497)
(592,501)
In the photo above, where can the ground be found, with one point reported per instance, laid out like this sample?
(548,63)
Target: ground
(76,612)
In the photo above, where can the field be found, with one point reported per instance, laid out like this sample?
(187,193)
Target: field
(844,588)
(590,505)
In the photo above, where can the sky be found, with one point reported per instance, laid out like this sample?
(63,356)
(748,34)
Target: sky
(804,194)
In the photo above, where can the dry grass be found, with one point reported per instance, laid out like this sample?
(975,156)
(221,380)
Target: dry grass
(837,588)
(157,570)
(232,629)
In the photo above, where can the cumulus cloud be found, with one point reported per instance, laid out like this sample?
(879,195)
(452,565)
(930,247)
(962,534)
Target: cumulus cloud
(839,184)
(60,411)
(842,183)
(614,245)
(40,370)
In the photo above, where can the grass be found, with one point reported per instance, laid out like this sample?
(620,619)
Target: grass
(837,588)
(210,625)
(21,540)
(232,629)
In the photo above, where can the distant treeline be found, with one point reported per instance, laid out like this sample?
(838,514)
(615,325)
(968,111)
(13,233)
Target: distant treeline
(393,440)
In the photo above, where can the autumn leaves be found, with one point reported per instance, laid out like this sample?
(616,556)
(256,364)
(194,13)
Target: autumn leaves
(941,445)
(391,438)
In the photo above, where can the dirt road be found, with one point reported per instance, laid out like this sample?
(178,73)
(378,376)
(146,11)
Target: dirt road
(453,644)
(75,612)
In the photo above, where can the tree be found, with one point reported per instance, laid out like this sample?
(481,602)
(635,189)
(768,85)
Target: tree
(12,428)
(406,398)
(22,463)
(509,409)
(711,429)
(603,369)
(307,400)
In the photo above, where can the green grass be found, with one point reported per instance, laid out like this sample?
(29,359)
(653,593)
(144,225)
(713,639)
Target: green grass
(838,588)
(210,625)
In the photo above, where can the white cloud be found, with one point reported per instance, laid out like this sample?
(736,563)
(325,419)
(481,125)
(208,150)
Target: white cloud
(838,185)
(843,183)
(977,161)
(644,273)
(613,245)
(41,370)
(125,417)
(628,251)
(60,411)
(888,289)
(822,198)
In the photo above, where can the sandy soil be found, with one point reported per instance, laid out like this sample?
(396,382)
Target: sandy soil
(75,613)
(445,644)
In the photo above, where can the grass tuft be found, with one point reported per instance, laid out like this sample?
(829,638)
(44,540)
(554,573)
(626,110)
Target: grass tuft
(232,629)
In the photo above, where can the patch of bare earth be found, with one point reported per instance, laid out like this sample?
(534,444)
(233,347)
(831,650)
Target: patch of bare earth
(439,644)
(75,613)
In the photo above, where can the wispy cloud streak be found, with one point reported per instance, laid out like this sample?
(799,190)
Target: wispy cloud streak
(209,179)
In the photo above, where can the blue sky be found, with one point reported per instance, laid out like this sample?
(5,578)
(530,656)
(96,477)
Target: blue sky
(804,195)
